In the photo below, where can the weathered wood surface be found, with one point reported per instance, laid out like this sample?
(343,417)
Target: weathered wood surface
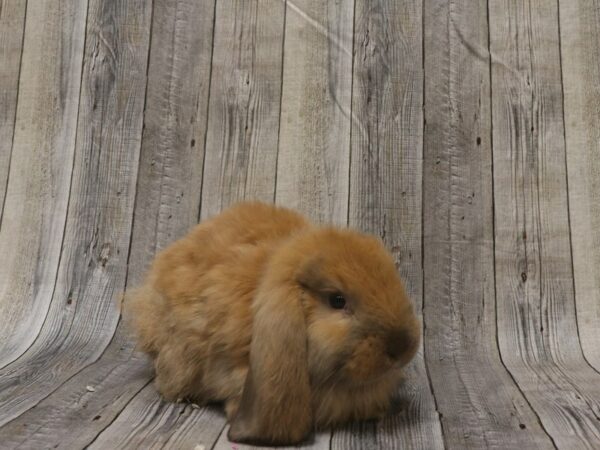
(115,378)
(150,422)
(243,123)
(465,136)
(170,178)
(167,205)
(35,207)
(580,44)
(82,317)
(479,403)
(314,138)
(12,27)
(537,327)
(385,192)
(167,202)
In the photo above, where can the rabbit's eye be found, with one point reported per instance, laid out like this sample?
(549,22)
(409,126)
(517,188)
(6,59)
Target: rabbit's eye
(337,301)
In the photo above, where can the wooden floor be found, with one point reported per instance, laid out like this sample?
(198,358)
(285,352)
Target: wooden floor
(465,134)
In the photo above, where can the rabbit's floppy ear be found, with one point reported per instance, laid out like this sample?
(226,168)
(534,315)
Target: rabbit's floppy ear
(275,407)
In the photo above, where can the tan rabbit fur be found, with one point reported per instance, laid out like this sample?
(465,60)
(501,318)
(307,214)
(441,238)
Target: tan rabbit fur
(246,309)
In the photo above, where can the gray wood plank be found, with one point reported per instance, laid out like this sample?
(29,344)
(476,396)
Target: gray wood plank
(12,27)
(385,192)
(314,140)
(115,378)
(82,316)
(167,205)
(480,405)
(580,44)
(151,423)
(537,330)
(243,124)
(37,195)
(170,178)
(58,308)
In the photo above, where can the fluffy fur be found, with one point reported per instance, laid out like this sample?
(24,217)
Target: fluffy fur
(238,311)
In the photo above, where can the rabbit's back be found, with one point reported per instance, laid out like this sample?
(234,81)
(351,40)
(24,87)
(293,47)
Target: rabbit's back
(193,314)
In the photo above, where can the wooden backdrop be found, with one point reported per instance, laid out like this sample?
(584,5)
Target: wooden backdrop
(465,134)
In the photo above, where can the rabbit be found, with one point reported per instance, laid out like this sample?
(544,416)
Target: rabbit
(293,326)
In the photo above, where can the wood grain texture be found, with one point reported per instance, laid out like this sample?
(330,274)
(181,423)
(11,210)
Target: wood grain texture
(314,141)
(243,123)
(115,378)
(480,405)
(151,423)
(167,205)
(12,27)
(170,179)
(82,316)
(537,330)
(385,192)
(37,195)
(491,211)
(580,44)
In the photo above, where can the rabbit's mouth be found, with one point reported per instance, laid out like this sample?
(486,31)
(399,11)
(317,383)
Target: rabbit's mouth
(386,371)
(357,401)
(367,363)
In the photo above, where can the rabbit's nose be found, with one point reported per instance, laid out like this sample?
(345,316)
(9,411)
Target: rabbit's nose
(399,343)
